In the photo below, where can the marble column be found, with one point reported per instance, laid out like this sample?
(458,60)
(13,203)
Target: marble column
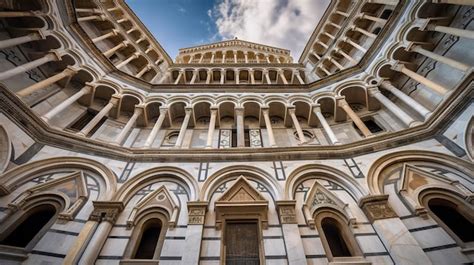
(156,128)
(213,55)
(143,71)
(268,126)
(372,18)
(440,58)
(394,109)
(420,79)
(267,76)
(126,61)
(327,129)
(338,65)
(296,123)
(235,56)
(342,103)
(195,76)
(252,76)
(298,76)
(180,75)
(93,17)
(334,25)
(212,127)
(281,73)
(406,99)
(237,76)
(209,76)
(126,129)
(400,243)
(111,51)
(112,33)
(345,55)
(222,77)
(463,33)
(105,214)
(68,72)
(51,56)
(194,232)
(291,232)
(184,127)
(267,58)
(103,112)
(355,45)
(20,40)
(87,89)
(246,55)
(239,114)
(364,32)
(344,14)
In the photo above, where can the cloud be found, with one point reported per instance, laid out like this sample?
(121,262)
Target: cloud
(282,23)
(181,9)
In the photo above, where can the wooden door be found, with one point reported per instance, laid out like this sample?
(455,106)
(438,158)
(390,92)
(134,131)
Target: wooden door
(242,243)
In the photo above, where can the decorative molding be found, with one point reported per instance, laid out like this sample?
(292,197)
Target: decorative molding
(376,207)
(241,201)
(106,211)
(286,211)
(197,212)
(160,198)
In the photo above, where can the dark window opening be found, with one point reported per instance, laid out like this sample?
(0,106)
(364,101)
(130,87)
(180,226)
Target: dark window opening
(371,125)
(246,138)
(80,123)
(242,243)
(334,238)
(148,240)
(377,30)
(386,14)
(449,215)
(30,227)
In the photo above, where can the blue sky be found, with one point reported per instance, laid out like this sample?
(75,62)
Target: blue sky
(184,23)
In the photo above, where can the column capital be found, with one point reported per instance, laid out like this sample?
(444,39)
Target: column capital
(291,109)
(373,90)
(188,110)
(197,212)
(115,99)
(397,67)
(286,210)
(239,110)
(106,211)
(214,108)
(71,70)
(139,109)
(376,207)
(341,101)
(316,107)
(163,110)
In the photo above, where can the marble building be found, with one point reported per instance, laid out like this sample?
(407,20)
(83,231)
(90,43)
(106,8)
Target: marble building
(359,152)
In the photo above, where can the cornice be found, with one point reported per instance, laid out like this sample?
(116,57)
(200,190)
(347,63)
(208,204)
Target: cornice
(439,121)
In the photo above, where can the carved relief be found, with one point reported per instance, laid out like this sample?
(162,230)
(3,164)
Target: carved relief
(286,210)
(255,139)
(106,211)
(376,207)
(196,213)
(225,139)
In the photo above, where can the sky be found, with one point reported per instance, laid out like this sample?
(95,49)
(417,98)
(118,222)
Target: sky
(179,24)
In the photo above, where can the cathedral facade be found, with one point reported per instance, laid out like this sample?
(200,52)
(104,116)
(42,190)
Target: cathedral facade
(361,152)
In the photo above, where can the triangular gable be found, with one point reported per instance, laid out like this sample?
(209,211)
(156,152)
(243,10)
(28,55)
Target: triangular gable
(239,201)
(320,197)
(161,198)
(415,179)
(241,191)
(73,188)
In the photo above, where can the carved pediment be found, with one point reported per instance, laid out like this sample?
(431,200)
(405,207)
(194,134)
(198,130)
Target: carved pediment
(320,197)
(415,179)
(160,198)
(239,201)
(241,191)
(72,188)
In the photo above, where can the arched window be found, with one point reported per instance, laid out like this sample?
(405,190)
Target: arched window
(453,218)
(28,227)
(335,238)
(148,240)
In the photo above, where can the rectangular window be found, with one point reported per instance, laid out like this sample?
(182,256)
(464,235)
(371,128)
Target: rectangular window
(241,243)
